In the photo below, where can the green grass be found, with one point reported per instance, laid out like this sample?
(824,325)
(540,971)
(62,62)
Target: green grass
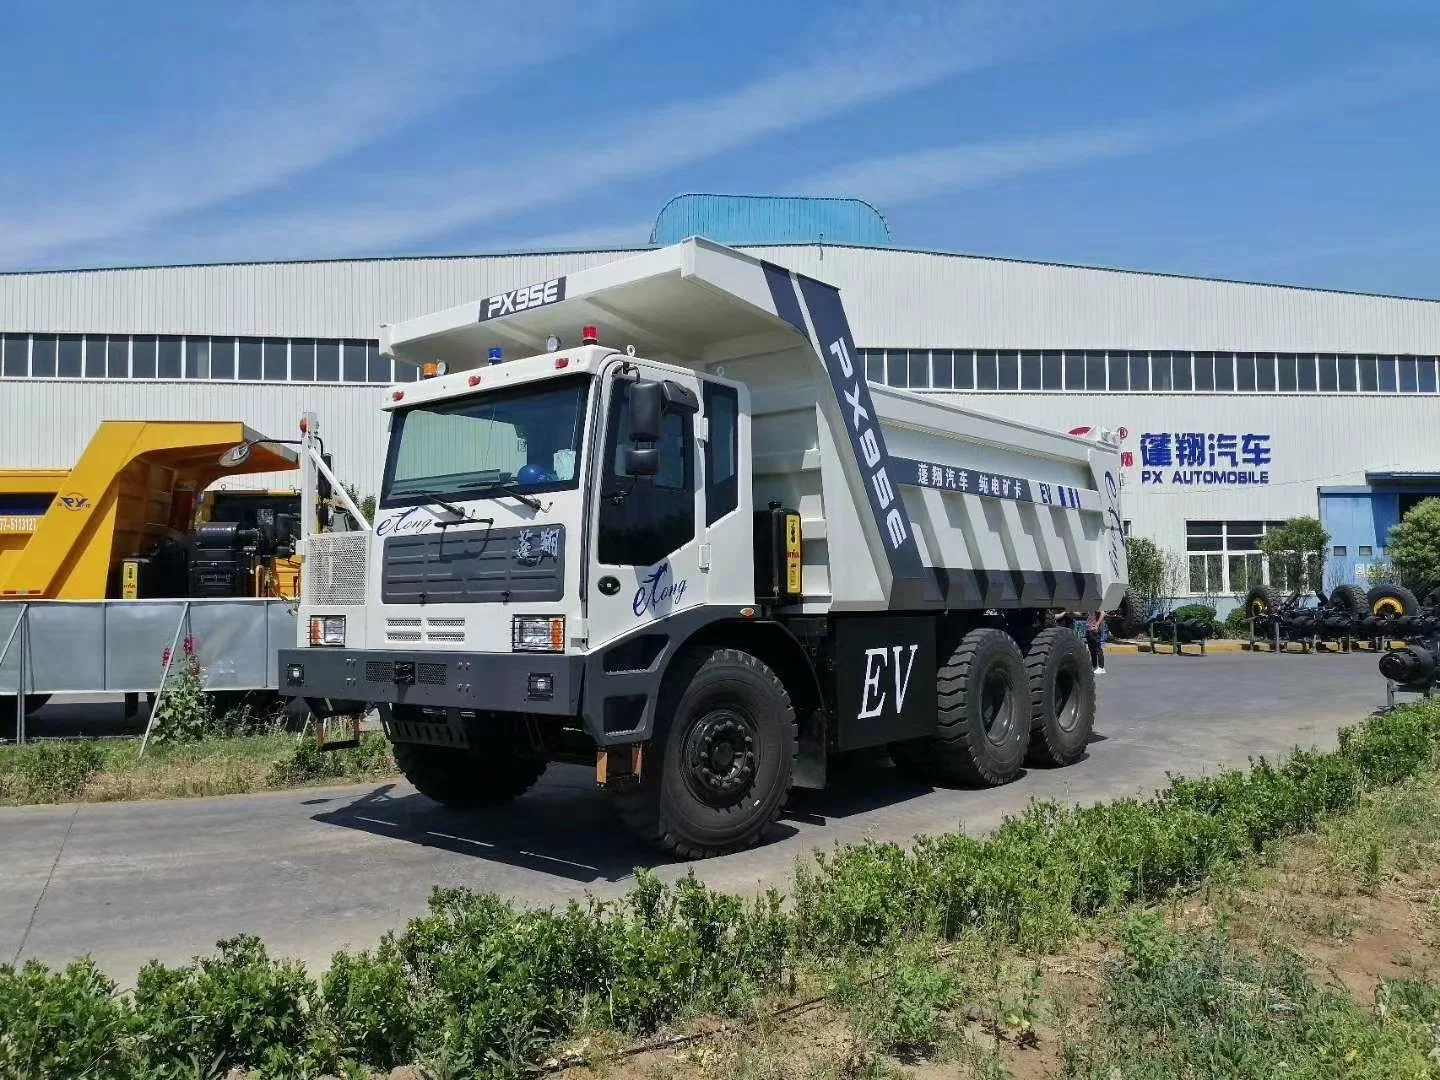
(112,769)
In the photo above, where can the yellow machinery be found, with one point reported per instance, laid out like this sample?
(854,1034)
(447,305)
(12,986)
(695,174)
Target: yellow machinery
(276,577)
(81,534)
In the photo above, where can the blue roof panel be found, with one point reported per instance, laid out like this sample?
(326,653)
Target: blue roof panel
(770,219)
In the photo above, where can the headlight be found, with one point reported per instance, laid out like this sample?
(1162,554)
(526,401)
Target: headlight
(327,629)
(537,633)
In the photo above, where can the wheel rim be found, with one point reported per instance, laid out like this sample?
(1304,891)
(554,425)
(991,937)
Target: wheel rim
(996,711)
(1257,607)
(1387,606)
(1067,699)
(719,757)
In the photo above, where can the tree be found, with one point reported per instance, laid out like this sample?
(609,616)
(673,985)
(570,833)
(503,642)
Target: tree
(1414,544)
(1296,552)
(1157,575)
(366,505)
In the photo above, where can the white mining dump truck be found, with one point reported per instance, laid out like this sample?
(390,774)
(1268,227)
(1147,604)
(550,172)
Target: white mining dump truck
(699,551)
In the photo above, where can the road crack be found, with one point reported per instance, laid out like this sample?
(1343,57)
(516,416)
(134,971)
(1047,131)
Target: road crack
(45,888)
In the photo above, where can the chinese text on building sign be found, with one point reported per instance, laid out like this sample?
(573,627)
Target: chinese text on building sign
(1197,457)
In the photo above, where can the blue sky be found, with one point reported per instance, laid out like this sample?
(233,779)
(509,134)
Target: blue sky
(1289,141)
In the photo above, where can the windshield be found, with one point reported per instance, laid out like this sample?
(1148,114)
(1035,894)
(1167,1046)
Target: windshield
(527,439)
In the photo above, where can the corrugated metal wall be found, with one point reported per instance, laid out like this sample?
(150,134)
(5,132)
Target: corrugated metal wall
(46,424)
(1315,441)
(895,298)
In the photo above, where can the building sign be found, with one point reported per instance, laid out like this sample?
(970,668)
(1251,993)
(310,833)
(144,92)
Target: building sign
(1198,458)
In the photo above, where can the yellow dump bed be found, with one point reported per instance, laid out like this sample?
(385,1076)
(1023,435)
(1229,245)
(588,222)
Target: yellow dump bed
(63,533)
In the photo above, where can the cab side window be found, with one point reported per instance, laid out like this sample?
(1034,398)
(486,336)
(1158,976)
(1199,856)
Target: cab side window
(645,518)
(722,470)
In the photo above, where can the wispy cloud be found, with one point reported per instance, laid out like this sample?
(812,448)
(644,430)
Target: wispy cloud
(320,82)
(875,52)
(911,176)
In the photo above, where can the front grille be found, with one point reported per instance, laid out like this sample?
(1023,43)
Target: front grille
(431,674)
(333,573)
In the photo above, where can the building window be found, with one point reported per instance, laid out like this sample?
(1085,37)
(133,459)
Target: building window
(275,362)
(1366,551)
(168,364)
(1225,556)
(353,361)
(1339,551)
(70,362)
(42,356)
(222,358)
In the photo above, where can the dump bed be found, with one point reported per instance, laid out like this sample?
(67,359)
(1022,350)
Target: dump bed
(64,531)
(907,501)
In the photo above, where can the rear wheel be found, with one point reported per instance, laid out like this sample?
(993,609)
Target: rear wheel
(983,717)
(466,779)
(723,755)
(1062,697)
(1392,600)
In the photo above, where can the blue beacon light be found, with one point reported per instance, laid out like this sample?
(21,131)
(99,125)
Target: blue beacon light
(495,355)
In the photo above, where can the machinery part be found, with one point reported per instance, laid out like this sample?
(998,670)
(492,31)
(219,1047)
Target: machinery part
(10,716)
(1349,598)
(1062,697)
(1263,600)
(1391,600)
(983,724)
(1409,665)
(465,779)
(724,751)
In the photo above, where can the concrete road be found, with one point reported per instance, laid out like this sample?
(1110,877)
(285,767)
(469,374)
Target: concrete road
(315,869)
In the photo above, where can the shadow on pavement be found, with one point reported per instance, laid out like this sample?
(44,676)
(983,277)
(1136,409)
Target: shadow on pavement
(565,828)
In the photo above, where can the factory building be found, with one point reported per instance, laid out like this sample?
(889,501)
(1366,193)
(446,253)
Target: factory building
(1238,404)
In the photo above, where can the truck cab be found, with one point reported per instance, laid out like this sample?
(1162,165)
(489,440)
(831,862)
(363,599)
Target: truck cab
(689,557)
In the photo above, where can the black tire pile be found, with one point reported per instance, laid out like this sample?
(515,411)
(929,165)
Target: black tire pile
(1384,613)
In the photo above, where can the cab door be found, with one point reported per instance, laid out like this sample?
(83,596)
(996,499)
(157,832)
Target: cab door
(647,531)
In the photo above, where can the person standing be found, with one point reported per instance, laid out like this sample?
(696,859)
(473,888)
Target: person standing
(1094,638)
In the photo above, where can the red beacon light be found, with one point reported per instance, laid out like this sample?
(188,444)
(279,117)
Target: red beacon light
(589,336)
(397,395)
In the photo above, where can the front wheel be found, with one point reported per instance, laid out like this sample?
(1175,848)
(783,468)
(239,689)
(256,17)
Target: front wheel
(722,756)
(464,780)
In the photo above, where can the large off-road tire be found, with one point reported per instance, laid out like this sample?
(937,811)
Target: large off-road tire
(1128,620)
(1062,697)
(1263,600)
(719,765)
(1350,598)
(1392,600)
(464,779)
(10,716)
(982,728)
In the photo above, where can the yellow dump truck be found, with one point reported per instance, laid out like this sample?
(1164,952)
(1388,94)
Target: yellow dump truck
(132,518)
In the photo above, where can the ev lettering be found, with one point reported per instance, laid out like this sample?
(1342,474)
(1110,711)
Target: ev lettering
(872,693)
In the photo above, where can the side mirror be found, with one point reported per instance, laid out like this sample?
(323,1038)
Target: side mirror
(642,461)
(323,489)
(646,406)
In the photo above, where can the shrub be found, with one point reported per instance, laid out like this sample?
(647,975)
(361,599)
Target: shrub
(306,763)
(54,771)
(1414,544)
(370,1008)
(1202,614)
(66,1023)
(239,1008)
(1237,623)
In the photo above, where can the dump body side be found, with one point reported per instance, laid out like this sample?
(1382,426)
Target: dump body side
(137,480)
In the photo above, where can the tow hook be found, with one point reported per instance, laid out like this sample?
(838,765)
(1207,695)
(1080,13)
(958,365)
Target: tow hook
(619,766)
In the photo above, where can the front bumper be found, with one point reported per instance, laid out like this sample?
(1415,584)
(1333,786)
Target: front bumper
(537,683)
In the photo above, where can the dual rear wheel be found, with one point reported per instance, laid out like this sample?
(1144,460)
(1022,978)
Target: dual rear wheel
(999,707)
